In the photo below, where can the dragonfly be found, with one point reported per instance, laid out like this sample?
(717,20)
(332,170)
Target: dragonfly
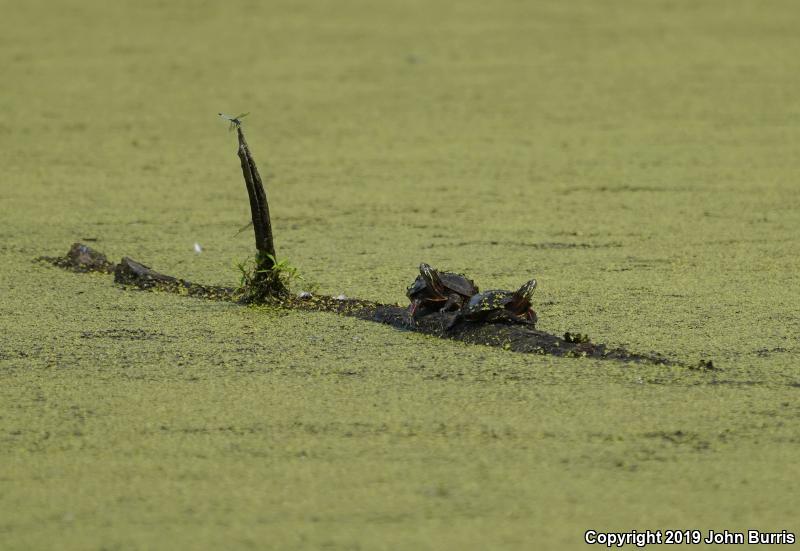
(236,121)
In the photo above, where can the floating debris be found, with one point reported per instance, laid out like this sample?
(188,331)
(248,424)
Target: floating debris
(81,258)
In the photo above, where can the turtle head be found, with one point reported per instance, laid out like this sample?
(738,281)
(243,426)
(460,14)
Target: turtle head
(526,291)
(431,277)
(520,303)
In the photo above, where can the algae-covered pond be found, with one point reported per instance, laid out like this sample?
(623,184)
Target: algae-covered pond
(639,159)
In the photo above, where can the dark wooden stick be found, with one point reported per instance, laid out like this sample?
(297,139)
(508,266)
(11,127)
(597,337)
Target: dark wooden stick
(259,207)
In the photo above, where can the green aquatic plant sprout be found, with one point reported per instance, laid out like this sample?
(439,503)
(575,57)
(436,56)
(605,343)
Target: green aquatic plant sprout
(259,285)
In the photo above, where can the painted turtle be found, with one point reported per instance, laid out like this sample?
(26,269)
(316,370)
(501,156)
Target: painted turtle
(438,291)
(500,305)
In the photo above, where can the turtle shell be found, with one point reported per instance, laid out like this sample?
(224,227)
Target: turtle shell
(434,285)
(458,283)
(489,301)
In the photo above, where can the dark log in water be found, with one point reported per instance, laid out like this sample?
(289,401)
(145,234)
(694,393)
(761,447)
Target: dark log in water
(82,258)
(130,272)
(509,336)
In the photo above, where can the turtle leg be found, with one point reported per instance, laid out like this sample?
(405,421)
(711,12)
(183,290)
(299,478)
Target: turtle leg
(453,299)
(412,311)
(520,319)
(454,319)
(423,307)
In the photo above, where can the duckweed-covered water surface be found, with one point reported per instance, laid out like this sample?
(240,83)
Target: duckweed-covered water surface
(638,159)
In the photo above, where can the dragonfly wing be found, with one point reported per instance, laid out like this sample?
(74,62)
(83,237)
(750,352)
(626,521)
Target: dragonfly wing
(233,120)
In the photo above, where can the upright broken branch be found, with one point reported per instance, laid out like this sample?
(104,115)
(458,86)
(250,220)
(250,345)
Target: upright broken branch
(259,207)
(265,282)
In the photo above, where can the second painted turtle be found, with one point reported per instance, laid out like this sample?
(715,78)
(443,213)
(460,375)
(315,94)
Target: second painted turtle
(500,305)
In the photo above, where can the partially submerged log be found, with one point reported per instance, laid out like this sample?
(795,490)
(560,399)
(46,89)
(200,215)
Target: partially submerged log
(513,337)
(83,259)
(130,272)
